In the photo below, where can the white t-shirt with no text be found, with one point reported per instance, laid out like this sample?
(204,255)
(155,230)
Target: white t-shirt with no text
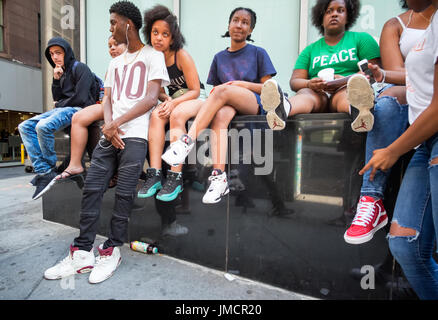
(420,66)
(127,77)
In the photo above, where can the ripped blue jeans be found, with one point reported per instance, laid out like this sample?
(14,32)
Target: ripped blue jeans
(390,121)
(38,137)
(417,209)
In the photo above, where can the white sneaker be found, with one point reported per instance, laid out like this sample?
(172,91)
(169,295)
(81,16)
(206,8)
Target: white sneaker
(360,95)
(106,263)
(217,189)
(275,104)
(77,261)
(177,152)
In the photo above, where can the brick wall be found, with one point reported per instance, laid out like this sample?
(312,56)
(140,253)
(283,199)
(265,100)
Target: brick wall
(21,31)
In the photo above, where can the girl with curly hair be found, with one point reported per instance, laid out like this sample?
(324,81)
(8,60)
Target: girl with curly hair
(182,102)
(338,49)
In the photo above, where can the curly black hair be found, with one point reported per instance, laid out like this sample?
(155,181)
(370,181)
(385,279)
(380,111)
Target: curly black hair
(253,21)
(160,12)
(319,9)
(128,10)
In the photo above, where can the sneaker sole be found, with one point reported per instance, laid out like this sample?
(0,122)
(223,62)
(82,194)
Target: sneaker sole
(169,162)
(47,188)
(270,99)
(360,95)
(218,199)
(171,196)
(109,276)
(155,188)
(80,271)
(367,237)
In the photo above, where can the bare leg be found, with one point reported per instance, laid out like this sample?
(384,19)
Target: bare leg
(156,139)
(178,119)
(241,99)
(219,138)
(79,137)
(308,101)
(339,102)
(398,92)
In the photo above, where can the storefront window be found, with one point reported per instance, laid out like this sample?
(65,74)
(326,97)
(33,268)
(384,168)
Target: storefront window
(10,141)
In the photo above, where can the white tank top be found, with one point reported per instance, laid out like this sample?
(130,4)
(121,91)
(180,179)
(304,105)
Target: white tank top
(409,37)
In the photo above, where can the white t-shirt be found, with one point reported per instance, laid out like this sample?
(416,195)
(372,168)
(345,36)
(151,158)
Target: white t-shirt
(420,66)
(128,76)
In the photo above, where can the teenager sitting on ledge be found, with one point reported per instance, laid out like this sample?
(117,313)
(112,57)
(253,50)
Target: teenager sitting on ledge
(338,49)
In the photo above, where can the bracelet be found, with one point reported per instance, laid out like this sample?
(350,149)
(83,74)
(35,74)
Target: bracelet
(384,76)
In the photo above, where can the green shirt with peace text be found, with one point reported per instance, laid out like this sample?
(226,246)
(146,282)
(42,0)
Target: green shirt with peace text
(343,57)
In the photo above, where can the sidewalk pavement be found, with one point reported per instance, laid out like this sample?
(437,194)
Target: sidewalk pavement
(29,245)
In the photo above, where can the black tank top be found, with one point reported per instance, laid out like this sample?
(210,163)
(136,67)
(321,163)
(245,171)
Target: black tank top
(177,79)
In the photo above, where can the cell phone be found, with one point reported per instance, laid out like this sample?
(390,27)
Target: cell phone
(363,66)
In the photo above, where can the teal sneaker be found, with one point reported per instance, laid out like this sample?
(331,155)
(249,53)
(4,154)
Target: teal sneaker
(172,188)
(152,183)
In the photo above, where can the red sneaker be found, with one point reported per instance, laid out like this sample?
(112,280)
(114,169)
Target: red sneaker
(370,217)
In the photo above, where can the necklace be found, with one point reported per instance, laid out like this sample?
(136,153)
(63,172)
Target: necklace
(138,52)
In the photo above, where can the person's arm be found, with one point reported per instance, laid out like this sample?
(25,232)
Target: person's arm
(111,129)
(300,80)
(392,58)
(422,129)
(107,106)
(188,67)
(84,83)
(56,84)
(254,87)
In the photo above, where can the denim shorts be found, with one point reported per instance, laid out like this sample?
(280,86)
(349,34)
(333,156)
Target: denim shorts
(259,102)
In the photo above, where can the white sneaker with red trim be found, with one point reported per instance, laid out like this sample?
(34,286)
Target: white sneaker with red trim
(217,189)
(77,261)
(106,263)
(370,217)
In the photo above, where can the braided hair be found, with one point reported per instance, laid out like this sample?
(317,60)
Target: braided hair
(253,21)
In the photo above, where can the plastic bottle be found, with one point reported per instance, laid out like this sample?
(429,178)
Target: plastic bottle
(143,247)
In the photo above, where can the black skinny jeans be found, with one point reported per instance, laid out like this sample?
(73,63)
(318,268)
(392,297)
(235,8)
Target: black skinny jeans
(129,165)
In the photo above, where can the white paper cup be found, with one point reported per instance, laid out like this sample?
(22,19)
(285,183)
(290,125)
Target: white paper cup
(327,74)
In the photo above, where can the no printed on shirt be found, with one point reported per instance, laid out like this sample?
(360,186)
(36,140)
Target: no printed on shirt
(128,76)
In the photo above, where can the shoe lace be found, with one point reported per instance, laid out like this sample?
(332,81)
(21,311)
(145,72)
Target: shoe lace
(101,260)
(66,261)
(214,180)
(170,182)
(365,214)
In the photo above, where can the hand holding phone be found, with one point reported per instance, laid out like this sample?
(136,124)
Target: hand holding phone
(363,66)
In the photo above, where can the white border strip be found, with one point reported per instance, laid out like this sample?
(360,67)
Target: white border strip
(304,22)
(83,30)
(176,9)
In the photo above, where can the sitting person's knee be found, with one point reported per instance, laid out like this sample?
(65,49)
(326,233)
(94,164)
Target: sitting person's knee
(42,126)
(77,118)
(223,117)
(219,92)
